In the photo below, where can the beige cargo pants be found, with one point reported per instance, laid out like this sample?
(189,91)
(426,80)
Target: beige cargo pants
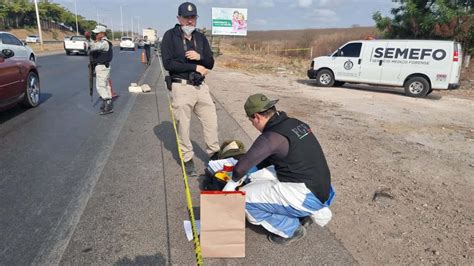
(185,100)
(102,75)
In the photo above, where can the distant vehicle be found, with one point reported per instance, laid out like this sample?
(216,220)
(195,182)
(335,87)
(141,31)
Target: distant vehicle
(418,65)
(19,81)
(152,35)
(127,43)
(20,49)
(76,45)
(32,39)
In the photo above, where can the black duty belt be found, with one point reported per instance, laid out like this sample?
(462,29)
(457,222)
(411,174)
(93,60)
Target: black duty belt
(182,81)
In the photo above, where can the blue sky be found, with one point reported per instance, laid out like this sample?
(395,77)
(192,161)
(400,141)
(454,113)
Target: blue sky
(262,14)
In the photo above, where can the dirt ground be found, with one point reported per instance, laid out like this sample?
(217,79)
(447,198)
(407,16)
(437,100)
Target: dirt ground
(402,168)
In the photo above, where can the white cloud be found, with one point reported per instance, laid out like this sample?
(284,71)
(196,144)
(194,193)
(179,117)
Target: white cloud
(260,22)
(323,16)
(266,3)
(305,3)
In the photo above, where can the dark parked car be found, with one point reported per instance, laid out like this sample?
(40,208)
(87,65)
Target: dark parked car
(19,81)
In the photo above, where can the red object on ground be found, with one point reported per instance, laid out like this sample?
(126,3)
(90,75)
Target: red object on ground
(114,94)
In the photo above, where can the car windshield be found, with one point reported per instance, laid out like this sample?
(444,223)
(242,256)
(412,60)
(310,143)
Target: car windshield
(126,39)
(78,38)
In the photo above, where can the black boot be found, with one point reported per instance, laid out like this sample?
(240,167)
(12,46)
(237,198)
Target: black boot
(109,106)
(102,106)
(299,234)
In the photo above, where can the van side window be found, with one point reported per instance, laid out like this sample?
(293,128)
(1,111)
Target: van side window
(351,50)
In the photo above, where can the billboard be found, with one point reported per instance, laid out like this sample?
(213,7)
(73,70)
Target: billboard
(229,21)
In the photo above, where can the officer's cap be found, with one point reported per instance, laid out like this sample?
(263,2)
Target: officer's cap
(258,103)
(99,28)
(187,9)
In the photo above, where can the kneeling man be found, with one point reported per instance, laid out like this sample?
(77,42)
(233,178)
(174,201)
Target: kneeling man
(297,190)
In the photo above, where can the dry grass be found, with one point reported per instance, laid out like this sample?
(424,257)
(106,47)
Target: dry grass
(277,51)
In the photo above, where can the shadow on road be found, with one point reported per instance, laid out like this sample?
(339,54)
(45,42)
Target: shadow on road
(358,87)
(165,133)
(18,109)
(157,259)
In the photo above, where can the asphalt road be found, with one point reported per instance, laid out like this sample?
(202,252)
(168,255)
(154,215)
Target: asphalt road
(77,188)
(51,156)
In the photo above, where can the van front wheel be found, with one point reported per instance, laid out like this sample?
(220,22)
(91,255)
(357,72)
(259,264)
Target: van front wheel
(417,87)
(325,78)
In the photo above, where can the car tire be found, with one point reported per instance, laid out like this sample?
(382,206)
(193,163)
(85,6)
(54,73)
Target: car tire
(325,78)
(339,83)
(68,53)
(417,87)
(32,91)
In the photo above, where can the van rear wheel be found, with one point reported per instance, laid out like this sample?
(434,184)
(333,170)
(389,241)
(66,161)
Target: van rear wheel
(417,87)
(325,78)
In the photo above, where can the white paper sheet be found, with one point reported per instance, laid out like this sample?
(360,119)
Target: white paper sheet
(188,229)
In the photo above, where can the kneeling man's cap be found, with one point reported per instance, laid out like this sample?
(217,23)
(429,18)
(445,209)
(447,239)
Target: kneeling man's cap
(258,103)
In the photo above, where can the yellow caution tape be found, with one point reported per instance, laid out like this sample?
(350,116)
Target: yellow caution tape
(197,245)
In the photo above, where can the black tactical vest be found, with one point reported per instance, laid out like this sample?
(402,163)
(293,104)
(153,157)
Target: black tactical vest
(305,162)
(102,57)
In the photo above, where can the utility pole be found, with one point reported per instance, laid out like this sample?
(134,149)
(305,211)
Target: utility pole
(75,10)
(39,24)
(121,19)
(132,28)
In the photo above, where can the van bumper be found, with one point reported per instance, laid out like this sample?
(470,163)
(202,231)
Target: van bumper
(312,73)
(453,86)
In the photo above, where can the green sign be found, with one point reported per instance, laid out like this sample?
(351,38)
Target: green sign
(222,23)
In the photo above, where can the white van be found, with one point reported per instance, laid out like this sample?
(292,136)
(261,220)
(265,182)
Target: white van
(418,65)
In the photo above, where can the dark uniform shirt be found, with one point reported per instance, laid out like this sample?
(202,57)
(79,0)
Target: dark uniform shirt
(297,158)
(173,52)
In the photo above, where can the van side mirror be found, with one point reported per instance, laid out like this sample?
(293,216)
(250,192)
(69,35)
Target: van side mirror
(7,53)
(338,52)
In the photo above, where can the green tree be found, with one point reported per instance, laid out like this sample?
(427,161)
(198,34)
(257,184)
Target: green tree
(430,19)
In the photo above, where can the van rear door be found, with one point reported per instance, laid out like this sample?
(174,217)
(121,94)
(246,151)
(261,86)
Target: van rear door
(371,67)
(457,64)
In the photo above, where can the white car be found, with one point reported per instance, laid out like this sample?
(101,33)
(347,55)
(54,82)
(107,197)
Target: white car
(127,43)
(21,50)
(33,39)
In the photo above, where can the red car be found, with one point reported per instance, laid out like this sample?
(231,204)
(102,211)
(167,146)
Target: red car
(19,81)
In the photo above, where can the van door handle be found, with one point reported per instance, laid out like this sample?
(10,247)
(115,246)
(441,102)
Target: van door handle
(380,62)
(360,60)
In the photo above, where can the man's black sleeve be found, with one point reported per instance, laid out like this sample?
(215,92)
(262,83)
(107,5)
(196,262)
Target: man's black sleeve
(269,143)
(169,62)
(207,58)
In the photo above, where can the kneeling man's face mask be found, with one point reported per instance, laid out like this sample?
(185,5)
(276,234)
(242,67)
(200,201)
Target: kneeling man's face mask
(188,30)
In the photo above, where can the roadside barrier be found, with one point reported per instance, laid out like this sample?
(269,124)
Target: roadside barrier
(189,202)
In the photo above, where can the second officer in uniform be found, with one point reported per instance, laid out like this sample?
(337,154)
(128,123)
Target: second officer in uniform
(101,56)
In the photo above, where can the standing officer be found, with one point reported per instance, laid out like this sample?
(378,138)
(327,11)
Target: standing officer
(188,58)
(101,56)
(147,47)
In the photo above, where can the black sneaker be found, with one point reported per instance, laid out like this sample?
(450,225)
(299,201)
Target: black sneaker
(190,170)
(299,234)
(306,221)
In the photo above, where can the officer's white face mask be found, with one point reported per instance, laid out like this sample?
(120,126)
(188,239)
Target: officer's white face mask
(188,30)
